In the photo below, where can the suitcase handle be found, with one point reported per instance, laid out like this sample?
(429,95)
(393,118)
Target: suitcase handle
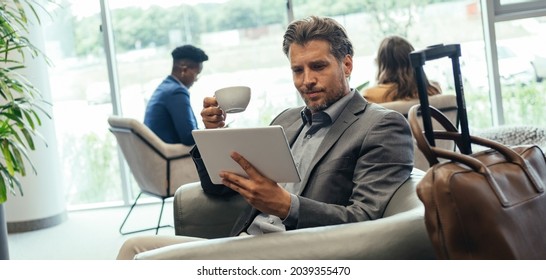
(417,60)
(433,153)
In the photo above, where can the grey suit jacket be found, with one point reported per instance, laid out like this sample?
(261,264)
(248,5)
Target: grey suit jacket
(364,158)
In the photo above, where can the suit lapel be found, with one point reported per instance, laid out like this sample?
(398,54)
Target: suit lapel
(348,116)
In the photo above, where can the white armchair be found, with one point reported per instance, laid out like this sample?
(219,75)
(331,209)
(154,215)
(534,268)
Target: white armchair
(158,168)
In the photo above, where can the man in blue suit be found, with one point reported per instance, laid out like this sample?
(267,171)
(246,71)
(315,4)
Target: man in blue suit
(169,113)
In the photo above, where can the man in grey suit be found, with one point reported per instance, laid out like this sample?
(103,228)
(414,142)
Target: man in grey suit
(352,155)
(351,166)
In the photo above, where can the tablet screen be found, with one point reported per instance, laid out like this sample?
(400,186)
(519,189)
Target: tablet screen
(264,147)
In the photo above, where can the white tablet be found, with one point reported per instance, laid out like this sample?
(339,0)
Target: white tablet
(264,147)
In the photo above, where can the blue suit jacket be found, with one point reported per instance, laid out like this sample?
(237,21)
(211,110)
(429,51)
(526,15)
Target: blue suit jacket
(169,113)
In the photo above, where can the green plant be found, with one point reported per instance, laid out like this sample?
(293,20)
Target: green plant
(20,104)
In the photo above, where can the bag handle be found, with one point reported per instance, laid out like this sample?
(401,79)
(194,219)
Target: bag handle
(452,134)
(479,167)
(418,133)
(433,153)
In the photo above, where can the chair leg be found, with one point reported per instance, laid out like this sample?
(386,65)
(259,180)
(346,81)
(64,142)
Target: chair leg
(160,215)
(146,229)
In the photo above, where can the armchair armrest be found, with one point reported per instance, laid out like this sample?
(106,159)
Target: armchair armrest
(198,214)
(401,234)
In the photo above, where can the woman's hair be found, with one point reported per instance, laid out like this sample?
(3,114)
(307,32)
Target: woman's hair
(393,66)
(319,28)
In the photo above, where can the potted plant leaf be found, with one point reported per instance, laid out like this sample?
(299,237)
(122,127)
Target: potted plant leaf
(20,102)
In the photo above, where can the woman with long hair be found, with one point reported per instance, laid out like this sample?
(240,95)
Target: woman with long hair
(395,76)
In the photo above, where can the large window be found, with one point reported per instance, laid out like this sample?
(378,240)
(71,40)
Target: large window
(514,32)
(423,24)
(522,69)
(94,75)
(81,104)
(242,38)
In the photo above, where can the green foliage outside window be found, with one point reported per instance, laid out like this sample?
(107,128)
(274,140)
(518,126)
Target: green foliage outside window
(522,105)
(91,169)
(390,16)
(525,105)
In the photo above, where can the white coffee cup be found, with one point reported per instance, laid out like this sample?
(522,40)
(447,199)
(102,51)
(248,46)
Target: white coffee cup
(233,99)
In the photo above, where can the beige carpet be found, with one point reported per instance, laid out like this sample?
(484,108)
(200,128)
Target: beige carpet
(88,234)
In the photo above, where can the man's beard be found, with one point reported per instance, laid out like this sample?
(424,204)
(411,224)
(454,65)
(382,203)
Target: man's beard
(331,99)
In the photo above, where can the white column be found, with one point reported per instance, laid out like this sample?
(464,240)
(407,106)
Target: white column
(42,204)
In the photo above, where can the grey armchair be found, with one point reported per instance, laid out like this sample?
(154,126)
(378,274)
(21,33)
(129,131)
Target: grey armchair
(447,104)
(158,168)
(400,234)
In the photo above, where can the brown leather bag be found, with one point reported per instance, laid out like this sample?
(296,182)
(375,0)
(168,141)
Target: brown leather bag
(486,205)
